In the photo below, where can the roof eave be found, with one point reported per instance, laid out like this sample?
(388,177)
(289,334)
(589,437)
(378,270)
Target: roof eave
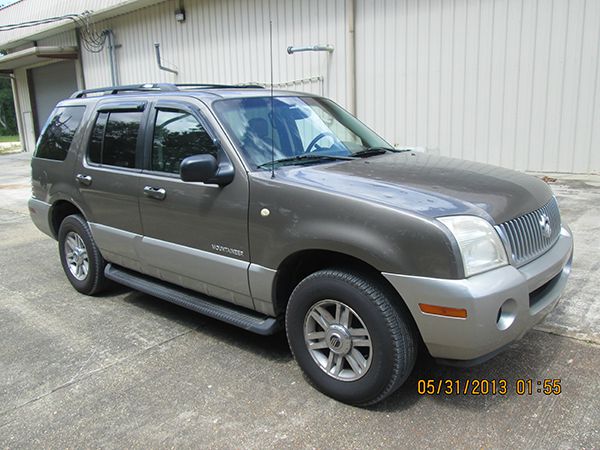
(35,55)
(44,31)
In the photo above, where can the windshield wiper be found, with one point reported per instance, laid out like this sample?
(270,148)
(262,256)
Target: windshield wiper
(372,151)
(305,157)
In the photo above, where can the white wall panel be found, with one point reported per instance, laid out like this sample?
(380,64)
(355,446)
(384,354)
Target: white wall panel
(228,42)
(509,82)
(65,39)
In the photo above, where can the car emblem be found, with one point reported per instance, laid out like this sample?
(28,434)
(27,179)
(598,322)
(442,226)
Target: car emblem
(335,342)
(545,225)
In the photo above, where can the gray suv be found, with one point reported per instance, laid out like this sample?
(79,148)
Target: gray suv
(285,211)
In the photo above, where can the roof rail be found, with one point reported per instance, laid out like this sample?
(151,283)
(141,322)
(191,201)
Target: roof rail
(166,87)
(217,86)
(126,88)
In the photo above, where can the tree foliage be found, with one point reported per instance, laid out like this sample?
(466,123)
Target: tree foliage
(8,120)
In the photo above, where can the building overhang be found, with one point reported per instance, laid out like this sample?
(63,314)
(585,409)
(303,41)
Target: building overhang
(35,55)
(98,11)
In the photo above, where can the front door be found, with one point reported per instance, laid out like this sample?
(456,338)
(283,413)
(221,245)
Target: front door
(195,234)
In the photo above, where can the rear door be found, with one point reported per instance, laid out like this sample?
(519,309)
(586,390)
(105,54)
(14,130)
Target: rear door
(108,176)
(195,234)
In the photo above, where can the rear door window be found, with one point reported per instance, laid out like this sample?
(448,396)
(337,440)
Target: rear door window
(114,138)
(58,133)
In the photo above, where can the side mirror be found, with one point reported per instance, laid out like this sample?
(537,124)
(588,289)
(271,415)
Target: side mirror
(205,169)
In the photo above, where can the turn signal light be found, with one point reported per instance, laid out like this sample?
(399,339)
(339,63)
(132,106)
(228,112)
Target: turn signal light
(460,313)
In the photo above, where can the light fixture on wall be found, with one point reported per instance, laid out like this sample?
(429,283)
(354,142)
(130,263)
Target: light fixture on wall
(180,15)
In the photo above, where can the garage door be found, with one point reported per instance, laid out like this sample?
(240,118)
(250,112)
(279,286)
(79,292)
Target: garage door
(49,85)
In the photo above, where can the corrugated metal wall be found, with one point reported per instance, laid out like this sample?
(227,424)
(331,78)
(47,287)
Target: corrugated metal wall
(228,42)
(26,10)
(509,82)
(65,39)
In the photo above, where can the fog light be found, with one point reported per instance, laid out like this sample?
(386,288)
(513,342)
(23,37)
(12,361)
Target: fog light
(506,314)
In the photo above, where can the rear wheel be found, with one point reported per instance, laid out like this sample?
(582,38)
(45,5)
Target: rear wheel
(348,337)
(81,260)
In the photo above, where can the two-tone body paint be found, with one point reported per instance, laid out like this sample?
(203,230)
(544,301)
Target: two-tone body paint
(381,210)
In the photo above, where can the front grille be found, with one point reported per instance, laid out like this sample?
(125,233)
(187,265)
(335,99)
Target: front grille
(524,235)
(539,294)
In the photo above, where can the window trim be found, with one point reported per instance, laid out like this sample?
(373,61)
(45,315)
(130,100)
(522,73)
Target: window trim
(119,108)
(172,106)
(122,107)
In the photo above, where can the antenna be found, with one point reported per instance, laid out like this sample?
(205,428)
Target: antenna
(272,109)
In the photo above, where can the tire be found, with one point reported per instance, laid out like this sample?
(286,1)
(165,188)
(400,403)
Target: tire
(77,250)
(388,348)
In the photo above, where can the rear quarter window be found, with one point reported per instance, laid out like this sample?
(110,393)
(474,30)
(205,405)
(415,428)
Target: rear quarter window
(56,139)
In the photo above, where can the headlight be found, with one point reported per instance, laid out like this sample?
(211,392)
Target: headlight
(480,245)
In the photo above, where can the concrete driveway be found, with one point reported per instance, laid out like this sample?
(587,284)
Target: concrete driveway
(127,370)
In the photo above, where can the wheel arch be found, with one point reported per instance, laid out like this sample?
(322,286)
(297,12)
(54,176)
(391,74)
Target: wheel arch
(59,211)
(300,264)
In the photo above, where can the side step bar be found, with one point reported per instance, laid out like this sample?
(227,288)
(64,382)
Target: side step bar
(232,314)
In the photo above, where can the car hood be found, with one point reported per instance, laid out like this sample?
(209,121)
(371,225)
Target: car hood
(428,185)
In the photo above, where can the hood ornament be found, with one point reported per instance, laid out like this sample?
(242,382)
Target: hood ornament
(545,226)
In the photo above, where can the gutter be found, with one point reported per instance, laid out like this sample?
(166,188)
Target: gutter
(112,54)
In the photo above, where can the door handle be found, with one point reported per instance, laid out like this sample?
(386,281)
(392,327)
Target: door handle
(157,193)
(86,180)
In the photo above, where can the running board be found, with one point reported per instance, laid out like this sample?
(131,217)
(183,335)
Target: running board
(232,314)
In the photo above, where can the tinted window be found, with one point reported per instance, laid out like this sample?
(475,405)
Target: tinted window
(58,134)
(177,135)
(114,138)
(95,151)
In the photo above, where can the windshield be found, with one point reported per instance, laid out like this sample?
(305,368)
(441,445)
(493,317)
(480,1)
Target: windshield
(301,126)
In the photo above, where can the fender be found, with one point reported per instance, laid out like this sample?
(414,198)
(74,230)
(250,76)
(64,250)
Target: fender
(386,238)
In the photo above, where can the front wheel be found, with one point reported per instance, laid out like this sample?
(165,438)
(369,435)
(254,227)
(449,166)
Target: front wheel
(80,257)
(348,337)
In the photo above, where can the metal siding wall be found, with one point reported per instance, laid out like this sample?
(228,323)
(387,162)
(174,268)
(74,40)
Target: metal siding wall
(228,42)
(41,9)
(66,39)
(509,82)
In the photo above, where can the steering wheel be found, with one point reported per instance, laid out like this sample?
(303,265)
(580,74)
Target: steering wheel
(318,138)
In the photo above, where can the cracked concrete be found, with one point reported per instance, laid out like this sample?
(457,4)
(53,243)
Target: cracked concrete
(128,370)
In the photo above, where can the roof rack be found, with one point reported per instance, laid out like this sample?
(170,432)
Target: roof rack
(165,87)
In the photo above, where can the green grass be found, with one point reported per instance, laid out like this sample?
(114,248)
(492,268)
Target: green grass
(9,138)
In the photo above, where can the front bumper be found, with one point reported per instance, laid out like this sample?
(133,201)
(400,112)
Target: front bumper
(532,291)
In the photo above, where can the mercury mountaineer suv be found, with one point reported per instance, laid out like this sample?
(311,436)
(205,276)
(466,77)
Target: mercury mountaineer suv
(285,211)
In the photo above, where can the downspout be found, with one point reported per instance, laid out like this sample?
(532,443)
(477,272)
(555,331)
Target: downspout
(114,74)
(79,64)
(158,61)
(351,55)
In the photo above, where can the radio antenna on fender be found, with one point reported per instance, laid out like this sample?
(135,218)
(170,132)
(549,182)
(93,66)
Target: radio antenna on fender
(272,109)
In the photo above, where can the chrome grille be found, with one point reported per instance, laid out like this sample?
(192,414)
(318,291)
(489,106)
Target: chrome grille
(524,235)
